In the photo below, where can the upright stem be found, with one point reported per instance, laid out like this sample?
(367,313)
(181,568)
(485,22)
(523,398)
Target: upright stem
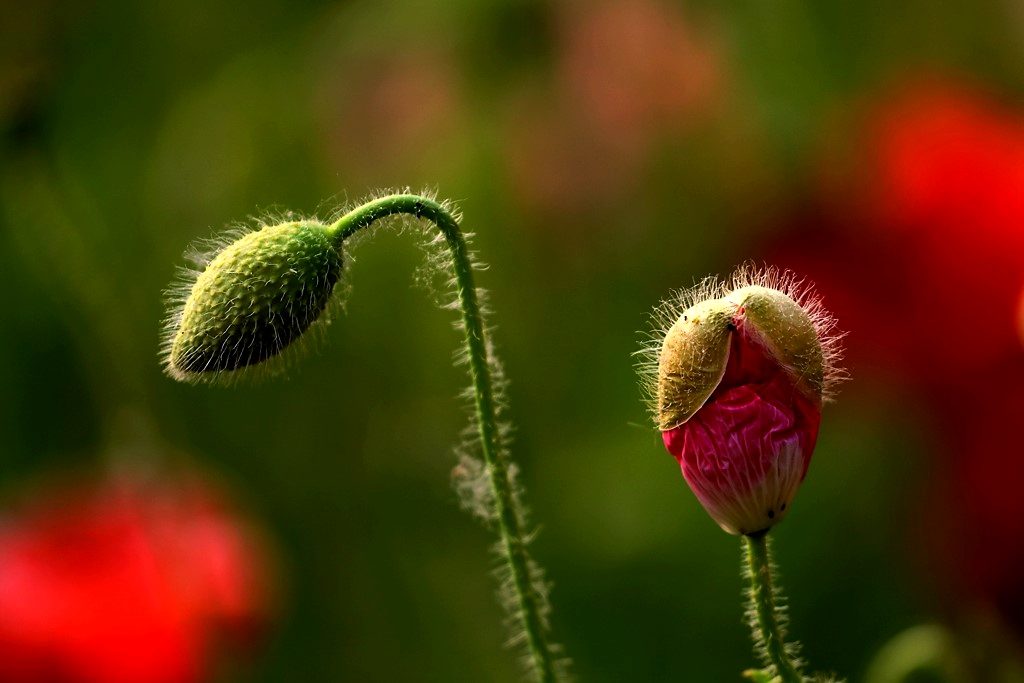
(509,520)
(762,599)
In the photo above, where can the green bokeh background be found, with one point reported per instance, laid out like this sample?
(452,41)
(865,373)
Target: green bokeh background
(132,129)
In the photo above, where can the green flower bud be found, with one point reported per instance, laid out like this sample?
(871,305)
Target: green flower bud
(258,295)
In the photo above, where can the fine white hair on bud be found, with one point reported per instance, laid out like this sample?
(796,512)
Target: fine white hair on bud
(684,354)
(257,296)
(736,374)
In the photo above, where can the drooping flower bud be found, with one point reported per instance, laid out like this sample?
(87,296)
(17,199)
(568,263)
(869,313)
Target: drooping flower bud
(738,379)
(257,296)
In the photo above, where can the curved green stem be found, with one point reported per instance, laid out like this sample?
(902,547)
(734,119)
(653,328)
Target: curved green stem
(768,629)
(510,524)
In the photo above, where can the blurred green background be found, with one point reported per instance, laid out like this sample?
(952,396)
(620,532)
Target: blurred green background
(604,154)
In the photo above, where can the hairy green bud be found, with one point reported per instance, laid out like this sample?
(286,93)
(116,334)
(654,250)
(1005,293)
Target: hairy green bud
(256,297)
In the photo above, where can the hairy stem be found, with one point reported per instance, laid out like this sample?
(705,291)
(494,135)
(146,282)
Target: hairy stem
(768,629)
(509,518)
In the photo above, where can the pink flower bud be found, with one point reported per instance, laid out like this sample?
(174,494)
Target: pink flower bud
(742,372)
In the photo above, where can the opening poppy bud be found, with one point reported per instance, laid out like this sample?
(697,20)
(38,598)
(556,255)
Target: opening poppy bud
(257,296)
(742,373)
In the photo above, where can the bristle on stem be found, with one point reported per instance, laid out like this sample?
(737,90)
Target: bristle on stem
(260,296)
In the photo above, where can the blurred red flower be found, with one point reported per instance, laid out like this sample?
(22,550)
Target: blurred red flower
(920,252)
(126,582)
(978,504)
(950,167)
